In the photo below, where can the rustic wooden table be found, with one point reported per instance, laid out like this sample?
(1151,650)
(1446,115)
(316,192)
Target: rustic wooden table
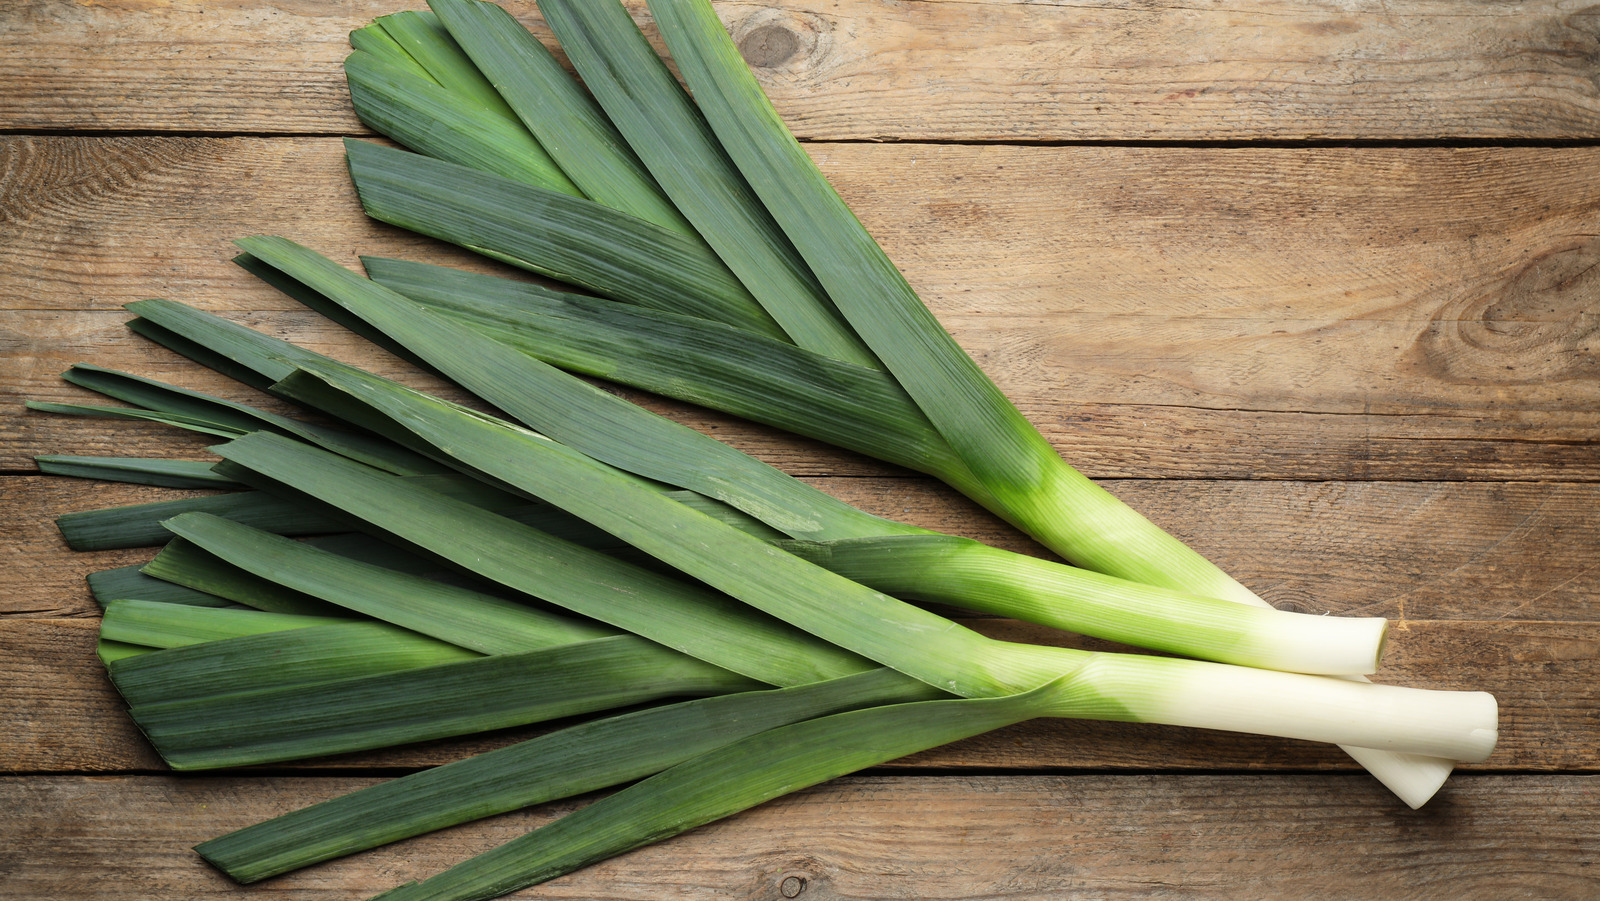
(1312,283)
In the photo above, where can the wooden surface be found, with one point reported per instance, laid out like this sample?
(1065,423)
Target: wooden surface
(1312,284)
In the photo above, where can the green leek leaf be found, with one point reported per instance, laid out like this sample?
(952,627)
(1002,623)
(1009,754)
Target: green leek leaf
(160,625)
(419,704)
(557,110)
(553,234)
(276,660)
(665,129)
(163,473)
(431,119)
(424,39)
(728,780)
(582,758)
(461,616)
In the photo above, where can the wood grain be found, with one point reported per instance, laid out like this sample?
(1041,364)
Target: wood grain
(59,714)
(1108,439)
(957,837)
(997,70)
(1235,313)
(1310,282)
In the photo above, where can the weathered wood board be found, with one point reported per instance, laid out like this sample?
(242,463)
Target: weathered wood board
(993,70)
(892,837)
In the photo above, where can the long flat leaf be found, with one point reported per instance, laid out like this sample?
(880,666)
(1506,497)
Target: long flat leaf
(691,359)
(423,38)
(232,416)
(140,471)
(672,612)
(420,704)
(431,119)
(160,625)
(723,782)
(582,758)
(176,420)
(575,412)
(560,113)
(277,660)
(553,234)
(375,40)
(663,126)
(183,563)
(259,359)
(471,619)
(128,583)
(139,525)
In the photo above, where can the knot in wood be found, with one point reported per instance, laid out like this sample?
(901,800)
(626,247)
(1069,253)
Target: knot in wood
(769,45)
(1535,326)
(792,886)
(781,39)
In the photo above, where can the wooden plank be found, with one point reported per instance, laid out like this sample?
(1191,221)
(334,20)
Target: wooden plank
(998,70)
(1017,837)
(63,712)
(44,577)
(1430,314)
(58,713)
(1427,551)
(1105,439)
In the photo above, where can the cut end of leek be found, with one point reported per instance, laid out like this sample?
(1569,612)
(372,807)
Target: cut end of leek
(1325,645)
(1412,778)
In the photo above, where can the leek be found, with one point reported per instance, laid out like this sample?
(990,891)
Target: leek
(1032,487)
(785,586)
(921,644)
(614,431)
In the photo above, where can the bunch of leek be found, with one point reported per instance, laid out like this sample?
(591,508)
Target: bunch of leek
(712,219)
(190,713)
(711,159)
